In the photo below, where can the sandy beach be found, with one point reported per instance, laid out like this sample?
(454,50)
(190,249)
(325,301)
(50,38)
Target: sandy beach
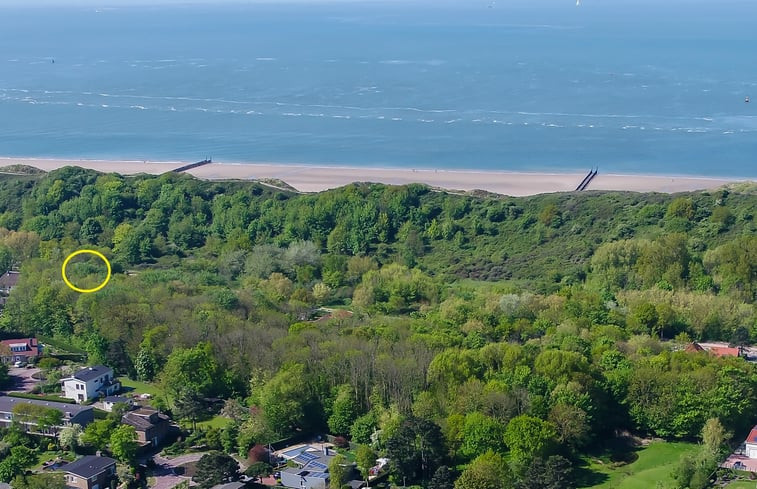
(312,178)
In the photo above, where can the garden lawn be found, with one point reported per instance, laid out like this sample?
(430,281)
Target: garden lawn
(217,422)
(742,485)
(141,387)
(654,464)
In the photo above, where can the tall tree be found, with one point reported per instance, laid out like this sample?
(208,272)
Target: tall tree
(338,471)
(215,468)
(123,444)
(415,450)
(487,471)
(553,473)
(343,411)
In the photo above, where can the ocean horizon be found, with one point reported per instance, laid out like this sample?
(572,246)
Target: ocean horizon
(631,88)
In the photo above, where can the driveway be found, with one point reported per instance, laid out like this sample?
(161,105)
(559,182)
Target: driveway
(163,471)
(22,377)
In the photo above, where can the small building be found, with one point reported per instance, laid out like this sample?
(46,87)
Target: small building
(151,425)
(71,413)
(312,467)
(229,485)
(8,280)
(110,401)
(750,444)
(89,472)
(19,350)
(717,349)
(89,383)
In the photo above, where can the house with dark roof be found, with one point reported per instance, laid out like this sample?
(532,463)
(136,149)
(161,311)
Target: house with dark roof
(151,425)
(8,280)
(19,350)
(89,472)
(110,402)
(89,383)
(70,413)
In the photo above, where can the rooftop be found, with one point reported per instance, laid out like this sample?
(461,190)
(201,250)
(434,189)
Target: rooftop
(144,419)
(88,466)
(7,403)
(22,346)
(229,485)
(9,279)
(90,373)
(116,399)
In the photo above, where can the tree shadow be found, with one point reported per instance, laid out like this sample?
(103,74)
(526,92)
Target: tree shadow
(613,454)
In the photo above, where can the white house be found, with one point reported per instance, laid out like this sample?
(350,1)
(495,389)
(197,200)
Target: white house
(750,445)
(89,383)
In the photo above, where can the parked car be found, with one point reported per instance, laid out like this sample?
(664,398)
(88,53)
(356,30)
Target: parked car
(19,364)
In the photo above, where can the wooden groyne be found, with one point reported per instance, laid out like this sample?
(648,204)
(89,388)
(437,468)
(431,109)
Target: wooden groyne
(193,165)
(587,180)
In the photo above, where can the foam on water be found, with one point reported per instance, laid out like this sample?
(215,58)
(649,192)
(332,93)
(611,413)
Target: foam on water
(394,84)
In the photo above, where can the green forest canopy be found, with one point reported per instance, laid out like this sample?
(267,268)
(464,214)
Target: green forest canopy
(476,318)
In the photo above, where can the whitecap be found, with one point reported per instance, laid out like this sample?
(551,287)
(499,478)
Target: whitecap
(265,59)
(140,107)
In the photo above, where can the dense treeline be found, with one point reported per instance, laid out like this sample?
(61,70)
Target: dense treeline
(508,334)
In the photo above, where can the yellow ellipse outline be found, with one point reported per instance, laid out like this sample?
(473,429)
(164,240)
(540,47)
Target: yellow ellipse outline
(79,252)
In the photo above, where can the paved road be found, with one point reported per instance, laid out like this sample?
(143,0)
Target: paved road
(23,379)
(163,472)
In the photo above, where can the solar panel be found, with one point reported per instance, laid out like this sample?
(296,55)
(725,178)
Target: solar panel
(317,466)
(319,475)
(304,458)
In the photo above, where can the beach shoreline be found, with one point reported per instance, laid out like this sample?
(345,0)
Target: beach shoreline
(315,178)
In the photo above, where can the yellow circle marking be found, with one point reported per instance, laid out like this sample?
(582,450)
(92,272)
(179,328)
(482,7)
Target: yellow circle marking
(80,252)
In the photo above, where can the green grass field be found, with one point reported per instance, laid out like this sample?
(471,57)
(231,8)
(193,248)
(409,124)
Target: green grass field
(141,387)
(651,469)
(742,485)
(214,422)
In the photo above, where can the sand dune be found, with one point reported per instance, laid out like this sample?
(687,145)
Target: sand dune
(312,178)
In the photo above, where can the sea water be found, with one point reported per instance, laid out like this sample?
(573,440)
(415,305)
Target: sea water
(542,85)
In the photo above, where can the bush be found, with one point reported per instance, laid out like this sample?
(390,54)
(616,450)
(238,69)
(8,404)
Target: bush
(258,453)
(41,398)
(48,363)
(341,442)
(258,469)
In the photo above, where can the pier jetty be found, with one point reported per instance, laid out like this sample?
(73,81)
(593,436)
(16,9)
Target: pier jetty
(193,165)
(587,180)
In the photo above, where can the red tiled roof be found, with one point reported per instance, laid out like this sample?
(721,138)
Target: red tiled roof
(724,351)
(30,344)
(694,347)
(752,438)
(720,351)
